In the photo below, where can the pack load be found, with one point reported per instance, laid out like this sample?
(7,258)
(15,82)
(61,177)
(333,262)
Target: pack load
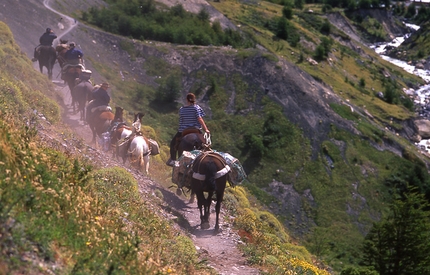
(182,170)
(237,174)
(155,148)
(85,75)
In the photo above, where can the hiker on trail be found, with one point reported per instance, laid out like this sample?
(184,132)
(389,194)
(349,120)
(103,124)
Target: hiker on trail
(73,55)
(45,40)
(190,116)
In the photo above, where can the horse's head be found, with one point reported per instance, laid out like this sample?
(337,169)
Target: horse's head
(119,113)
(137,123)
(138,116)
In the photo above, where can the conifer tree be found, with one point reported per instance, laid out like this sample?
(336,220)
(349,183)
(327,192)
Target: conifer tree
(400,244)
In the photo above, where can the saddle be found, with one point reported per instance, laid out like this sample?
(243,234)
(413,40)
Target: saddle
(71,69)
(154,148)
(187,131)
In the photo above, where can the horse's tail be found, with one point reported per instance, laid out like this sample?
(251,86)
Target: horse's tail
(212,169)
(138,152)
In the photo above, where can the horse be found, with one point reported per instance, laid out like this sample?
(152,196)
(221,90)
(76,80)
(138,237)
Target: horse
(209,176)
(100,123)
(139,149)
(46,55)
(70,74)
(119,132)
(81,94)
(190,141)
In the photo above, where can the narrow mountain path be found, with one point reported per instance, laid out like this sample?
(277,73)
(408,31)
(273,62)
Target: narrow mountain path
(218,250)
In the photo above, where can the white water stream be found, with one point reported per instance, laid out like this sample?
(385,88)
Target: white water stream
(423,93)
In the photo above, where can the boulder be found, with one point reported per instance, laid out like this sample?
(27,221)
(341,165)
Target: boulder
(423,126)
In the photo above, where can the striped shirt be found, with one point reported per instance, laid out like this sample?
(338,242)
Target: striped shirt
(188,116)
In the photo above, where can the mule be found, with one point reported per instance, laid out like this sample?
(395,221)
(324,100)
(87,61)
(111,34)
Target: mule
(46,55)
(81,94)
(209,177)
(139,149)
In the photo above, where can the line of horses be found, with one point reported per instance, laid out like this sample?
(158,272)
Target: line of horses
(129,143)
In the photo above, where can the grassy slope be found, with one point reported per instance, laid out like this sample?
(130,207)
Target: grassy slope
(60,211)
(348,198)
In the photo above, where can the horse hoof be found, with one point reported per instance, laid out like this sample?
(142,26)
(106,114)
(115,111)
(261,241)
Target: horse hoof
(178,191)
(205,225)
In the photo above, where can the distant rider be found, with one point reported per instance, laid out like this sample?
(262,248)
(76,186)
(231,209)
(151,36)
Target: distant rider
(45,40)
(101,99)
(61,49)
(73,56)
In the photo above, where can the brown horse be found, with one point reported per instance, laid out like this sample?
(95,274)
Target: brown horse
(81,94)
(99,123)
(70,74)
(209,176)
(46,56)
(191,141)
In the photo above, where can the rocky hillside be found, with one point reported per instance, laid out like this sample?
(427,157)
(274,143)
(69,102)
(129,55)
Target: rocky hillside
(325,100)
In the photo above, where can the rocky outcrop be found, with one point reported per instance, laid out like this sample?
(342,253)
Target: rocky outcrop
(423,126)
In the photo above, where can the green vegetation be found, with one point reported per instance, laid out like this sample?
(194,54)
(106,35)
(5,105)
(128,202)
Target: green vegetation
(72,217)
(399,243)
(57,208)
(346,185)
(347,170)
(141,19)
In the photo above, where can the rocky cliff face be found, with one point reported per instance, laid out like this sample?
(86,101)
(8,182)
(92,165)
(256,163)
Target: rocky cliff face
(305,100)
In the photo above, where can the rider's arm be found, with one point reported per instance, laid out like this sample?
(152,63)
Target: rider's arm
(202,122)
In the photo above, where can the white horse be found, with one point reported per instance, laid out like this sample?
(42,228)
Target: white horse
(139,150)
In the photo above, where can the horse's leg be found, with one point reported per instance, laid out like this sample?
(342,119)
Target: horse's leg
(221,183)
(196,189)
(207,205)
(73,95)
(49,67)
(200,203)
(94,140)
(146,164)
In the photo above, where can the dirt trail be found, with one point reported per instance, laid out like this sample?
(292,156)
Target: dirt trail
(219,250)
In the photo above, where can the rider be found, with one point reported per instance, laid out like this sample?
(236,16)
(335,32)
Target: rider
(73,55)
(45,40)
(190,116)
(100,98)
(61,49)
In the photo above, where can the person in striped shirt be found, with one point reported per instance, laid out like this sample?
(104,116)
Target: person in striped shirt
(190,116)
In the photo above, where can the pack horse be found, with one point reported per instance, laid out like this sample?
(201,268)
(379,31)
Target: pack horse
(209,177)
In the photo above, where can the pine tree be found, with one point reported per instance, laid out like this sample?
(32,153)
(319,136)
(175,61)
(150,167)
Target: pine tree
(400,244)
